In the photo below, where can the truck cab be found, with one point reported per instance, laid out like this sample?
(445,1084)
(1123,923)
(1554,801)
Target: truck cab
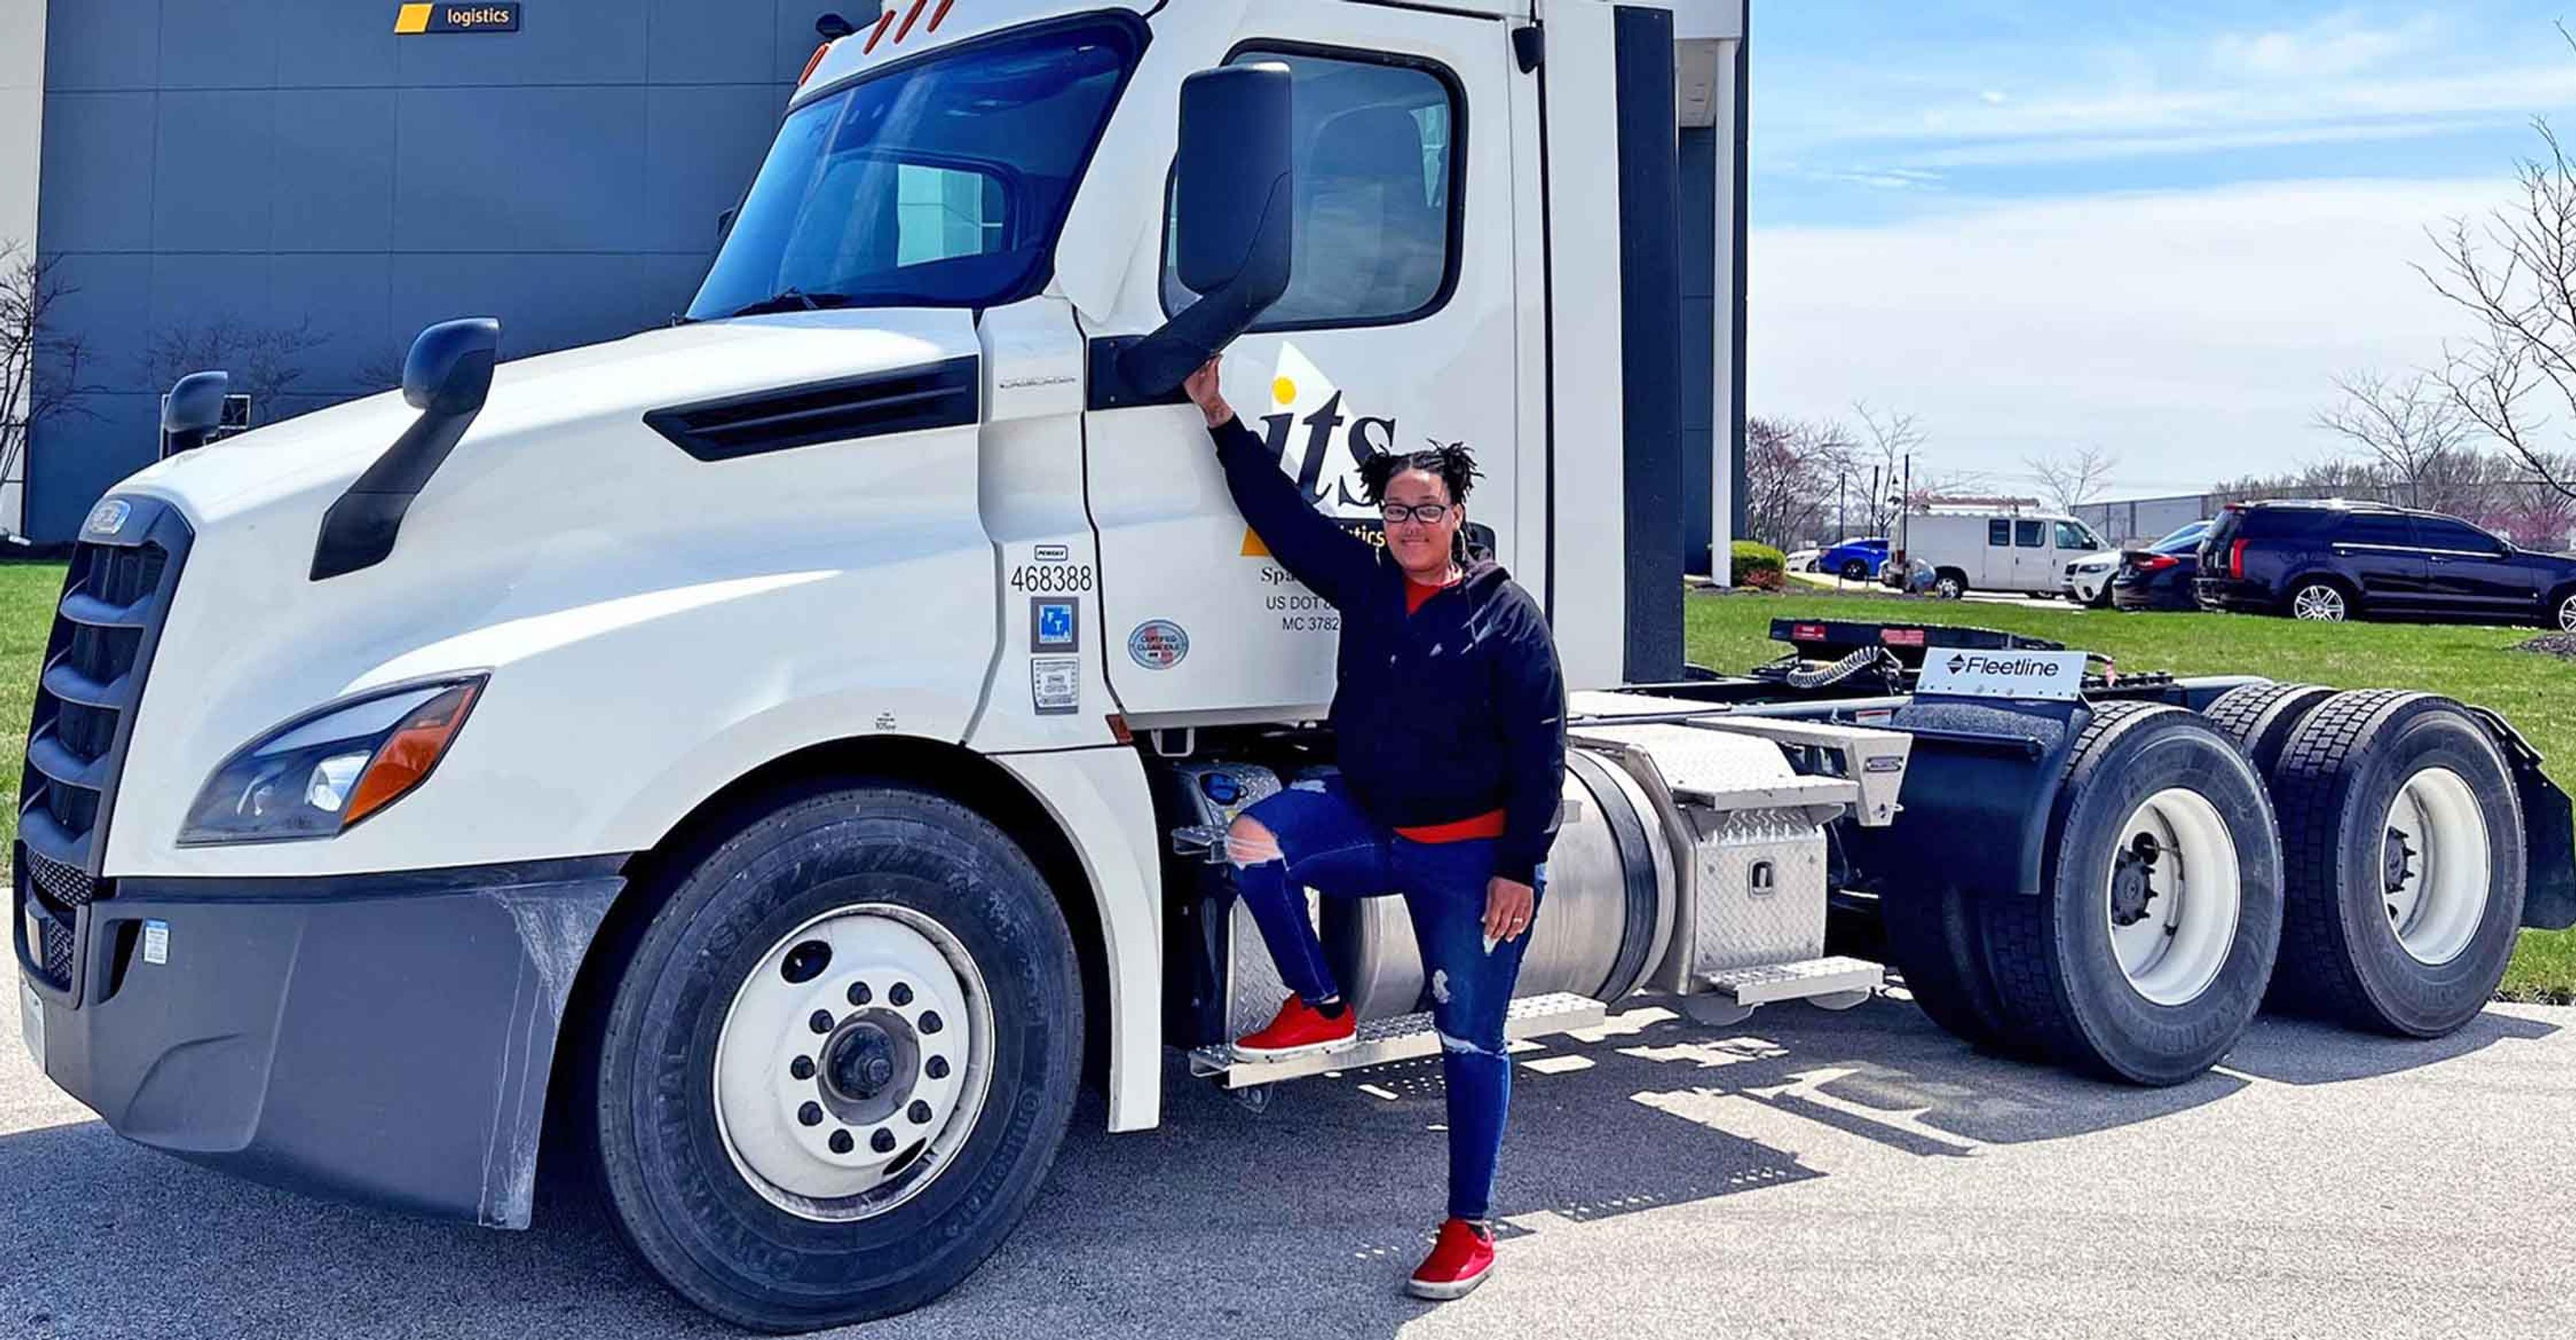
(414,717)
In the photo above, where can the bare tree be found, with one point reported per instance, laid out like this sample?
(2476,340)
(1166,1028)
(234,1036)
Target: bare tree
(2075,478)
(1792,468)
(44,371)
(266,362)
(2514,273)
(1883,451)
(2413,426)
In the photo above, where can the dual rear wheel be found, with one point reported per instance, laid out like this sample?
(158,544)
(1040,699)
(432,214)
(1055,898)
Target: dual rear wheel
(2354,856)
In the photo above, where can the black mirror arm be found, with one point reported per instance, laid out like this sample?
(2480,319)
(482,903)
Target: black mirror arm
(447,378)
(1156,366)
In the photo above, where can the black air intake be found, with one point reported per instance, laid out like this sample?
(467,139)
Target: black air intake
(940,395)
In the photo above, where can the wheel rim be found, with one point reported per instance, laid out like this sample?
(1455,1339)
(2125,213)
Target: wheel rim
(2319,604)
(2435,872)
(2567,615)
(1854,572)
(853,1062)
(1949,588)
(2173,896)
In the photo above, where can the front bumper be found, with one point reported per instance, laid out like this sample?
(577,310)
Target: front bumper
(381,1039)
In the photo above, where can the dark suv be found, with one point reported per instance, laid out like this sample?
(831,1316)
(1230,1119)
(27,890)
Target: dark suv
(2337,560)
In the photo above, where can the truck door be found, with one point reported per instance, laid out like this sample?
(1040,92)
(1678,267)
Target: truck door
(1397,331)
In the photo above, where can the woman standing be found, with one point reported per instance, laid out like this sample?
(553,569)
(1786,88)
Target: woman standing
(1449,721)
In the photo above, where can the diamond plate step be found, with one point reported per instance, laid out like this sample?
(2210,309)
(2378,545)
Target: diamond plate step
(1827,976)
(1405,1037)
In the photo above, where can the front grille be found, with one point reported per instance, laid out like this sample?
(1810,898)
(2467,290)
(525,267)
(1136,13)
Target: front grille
(58,951)
(66,886)
(106,627)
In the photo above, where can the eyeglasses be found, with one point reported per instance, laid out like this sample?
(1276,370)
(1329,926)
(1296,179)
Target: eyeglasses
(1429,514)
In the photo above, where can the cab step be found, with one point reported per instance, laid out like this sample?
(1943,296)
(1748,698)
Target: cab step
(1830,980)
(1405,1037)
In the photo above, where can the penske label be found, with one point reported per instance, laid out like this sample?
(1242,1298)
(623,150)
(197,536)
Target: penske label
(2003,674)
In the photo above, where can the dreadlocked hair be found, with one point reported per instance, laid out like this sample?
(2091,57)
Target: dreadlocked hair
(1454,465)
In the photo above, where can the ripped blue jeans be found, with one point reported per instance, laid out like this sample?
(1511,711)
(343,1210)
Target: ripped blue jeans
(1328,845)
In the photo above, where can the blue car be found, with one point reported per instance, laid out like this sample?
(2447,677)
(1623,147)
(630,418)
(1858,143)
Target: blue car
(1855,560)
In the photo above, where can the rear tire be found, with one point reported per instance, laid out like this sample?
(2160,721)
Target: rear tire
(2148,949)
(2320,602)
(2564,606)
(2261,717)
(745,1212)
(1936,945)
(2383,932)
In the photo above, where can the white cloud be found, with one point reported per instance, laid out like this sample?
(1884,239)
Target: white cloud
(2193,332)
(2335,47)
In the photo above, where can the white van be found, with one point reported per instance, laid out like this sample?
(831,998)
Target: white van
(1995,551)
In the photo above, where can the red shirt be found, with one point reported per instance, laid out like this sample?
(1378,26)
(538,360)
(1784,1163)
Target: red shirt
(1486,825)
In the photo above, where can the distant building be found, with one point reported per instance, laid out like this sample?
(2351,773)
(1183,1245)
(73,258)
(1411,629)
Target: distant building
(235,170)
(22,109)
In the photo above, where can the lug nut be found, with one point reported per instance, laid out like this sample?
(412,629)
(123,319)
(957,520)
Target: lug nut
(931,1022)
(821,1022)
(841,1142)
(901,994)
(859,993)
(919,1112)
(938,1067)
(802,1067)
(882,1142)
(811,1114)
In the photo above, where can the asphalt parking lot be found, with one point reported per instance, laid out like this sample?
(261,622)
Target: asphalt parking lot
(1800,1174)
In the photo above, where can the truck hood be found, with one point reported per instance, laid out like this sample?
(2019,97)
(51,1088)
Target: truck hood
(536,401)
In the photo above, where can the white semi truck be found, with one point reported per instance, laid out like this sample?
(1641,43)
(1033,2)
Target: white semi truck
(772,761)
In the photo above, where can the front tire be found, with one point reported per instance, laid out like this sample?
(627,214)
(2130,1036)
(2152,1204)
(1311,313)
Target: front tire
(838,1060)
(2148,949)
(1855,571)
(2405,846)
(1950,585)
(2566,611)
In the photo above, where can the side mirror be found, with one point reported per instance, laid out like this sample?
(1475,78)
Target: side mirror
(447,377)
(449,369)
(1234,210)
(193,412)
(724,224)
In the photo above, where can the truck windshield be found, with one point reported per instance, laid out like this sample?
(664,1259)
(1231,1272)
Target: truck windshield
(939,183)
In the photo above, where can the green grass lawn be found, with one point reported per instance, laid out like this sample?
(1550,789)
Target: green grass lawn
(2477,665)
(1732,632)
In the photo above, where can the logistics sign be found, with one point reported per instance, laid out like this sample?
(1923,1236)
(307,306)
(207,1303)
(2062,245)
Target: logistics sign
(465,16)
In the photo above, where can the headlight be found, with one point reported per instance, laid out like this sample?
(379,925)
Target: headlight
(2095,567)
(316,776)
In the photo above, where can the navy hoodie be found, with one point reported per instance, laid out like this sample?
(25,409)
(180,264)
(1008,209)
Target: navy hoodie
(1453,711)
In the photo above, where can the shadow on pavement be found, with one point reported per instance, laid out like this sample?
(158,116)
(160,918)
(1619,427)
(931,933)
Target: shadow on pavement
(1300,1220)
(2299,1051)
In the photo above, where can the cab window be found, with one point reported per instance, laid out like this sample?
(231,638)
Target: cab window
(2072,535)
(1378,185)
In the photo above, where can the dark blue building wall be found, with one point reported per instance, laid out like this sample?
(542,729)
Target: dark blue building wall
(265,162)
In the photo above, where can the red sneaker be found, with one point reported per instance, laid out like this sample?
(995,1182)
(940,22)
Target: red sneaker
(1299,1028)
(1459,1262)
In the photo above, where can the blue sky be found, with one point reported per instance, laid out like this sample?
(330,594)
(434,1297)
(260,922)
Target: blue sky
(2160,229)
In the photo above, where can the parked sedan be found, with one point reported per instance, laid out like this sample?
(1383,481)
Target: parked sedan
(2089,579)
(1855,560)
(2160,576)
